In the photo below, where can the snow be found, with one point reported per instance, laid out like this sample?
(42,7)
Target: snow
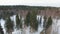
(56,26)
(2,24)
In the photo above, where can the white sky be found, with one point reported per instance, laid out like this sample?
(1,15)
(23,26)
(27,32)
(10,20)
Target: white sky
(55,3)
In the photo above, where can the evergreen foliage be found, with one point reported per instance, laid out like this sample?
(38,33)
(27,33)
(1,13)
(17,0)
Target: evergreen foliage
(49,22)
(18,22)
(33,20)
(27,20)
(9,25)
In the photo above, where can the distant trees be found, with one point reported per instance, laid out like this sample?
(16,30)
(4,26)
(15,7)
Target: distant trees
(9,25)
(1,30)
(6,14)
(18,22)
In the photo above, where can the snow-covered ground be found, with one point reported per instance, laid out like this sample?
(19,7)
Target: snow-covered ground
(56,26)
(2,24)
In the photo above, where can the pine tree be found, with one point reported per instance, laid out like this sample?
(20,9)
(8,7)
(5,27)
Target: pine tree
(1,30)
(49,22)
(9,25)
(27,20)
(33,20)
(18,22)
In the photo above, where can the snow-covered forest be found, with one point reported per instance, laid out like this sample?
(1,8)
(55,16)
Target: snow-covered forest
(28,22)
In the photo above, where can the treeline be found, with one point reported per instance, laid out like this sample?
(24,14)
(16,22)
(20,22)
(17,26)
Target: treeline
(23,7)
(5,14)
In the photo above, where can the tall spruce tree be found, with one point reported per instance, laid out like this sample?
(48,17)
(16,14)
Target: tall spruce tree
(33,20)
(18,22)
(27,20)
(49,22)
(9,26)
(1,30)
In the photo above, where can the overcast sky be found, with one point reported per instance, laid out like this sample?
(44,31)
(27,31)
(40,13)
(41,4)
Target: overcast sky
(55,3)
